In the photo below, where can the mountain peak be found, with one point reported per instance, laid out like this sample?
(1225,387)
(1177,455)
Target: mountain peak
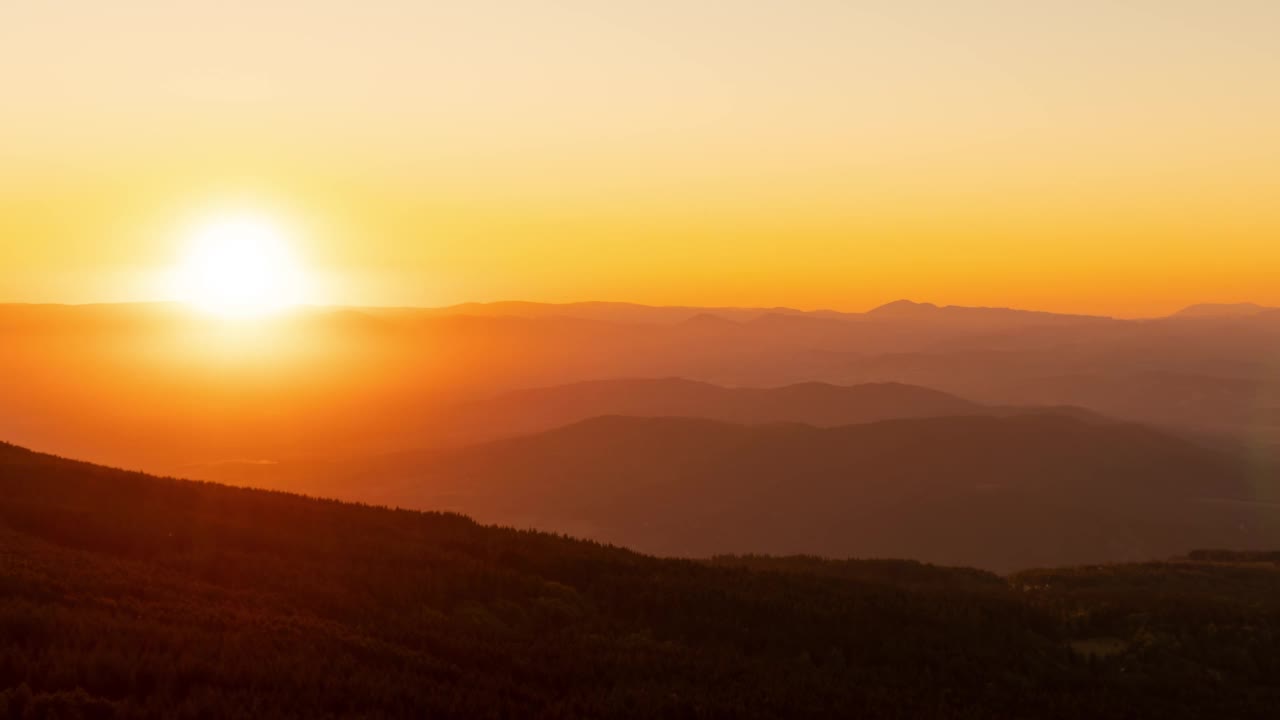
(904,307)
(1243,309)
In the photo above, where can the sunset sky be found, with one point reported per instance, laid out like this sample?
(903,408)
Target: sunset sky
(1118,157)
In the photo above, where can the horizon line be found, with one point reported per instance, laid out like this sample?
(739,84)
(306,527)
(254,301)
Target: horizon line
(571,303)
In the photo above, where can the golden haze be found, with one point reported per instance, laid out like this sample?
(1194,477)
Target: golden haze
(1081,157)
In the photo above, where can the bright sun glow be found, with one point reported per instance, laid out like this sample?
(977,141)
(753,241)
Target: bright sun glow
(239,265)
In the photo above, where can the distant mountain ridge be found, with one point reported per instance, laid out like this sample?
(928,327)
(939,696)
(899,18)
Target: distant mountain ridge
(624,312)
(187,390)
(813,403)
(994,492)
(542,409)
(634,312)
(909,310)
(1221,310)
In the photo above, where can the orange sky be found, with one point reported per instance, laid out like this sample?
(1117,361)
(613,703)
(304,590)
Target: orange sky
(1092,156)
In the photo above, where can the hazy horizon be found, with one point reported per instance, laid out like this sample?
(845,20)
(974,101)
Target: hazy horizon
(301,306)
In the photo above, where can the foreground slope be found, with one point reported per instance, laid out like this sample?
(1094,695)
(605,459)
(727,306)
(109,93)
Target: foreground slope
(125,595)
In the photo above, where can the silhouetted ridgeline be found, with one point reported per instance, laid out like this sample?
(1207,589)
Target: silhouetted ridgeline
(124,595)
(1000,493)
(186,392)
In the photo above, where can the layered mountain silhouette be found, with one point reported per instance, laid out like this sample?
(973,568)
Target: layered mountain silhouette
(540,409)
(996,318)
(631,312)
(994,492)
(187,392)
(813,403)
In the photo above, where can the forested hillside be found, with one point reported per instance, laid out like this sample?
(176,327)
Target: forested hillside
(124,595)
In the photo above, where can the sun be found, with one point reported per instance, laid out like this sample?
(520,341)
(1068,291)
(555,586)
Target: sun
(239,265)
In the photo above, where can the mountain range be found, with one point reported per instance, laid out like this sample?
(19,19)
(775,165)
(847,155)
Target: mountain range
(184,391)
(812,403)
(1003,492)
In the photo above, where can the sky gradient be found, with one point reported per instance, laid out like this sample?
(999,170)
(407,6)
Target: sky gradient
(1111,157)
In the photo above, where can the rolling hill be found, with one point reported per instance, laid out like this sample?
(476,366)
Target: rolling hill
(996,492)
(814,403)
(521,412)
